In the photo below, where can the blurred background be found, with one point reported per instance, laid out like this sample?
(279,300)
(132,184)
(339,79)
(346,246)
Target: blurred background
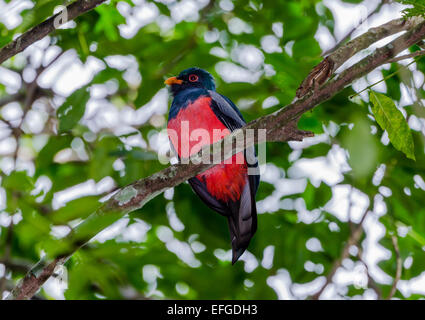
(82,113)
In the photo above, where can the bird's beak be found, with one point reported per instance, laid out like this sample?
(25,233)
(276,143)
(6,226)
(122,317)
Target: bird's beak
(173,80)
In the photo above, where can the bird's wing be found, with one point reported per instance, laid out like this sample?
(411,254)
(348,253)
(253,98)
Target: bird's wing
(202,192)
(230,116)
(233,120)
(226,111)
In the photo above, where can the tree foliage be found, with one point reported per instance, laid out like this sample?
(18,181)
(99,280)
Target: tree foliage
(416,7)
(73,145)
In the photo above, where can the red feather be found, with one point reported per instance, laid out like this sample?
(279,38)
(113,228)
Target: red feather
(224,181)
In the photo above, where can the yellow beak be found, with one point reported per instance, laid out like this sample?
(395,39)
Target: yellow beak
(173,80)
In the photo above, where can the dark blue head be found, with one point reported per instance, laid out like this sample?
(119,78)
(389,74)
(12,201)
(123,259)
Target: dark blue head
(191,78)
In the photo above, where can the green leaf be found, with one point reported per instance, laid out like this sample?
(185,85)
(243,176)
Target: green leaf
(362,146)
(18,180)
(391,119)
(418,8)
(108,21)
(78,208)
(316,197)
(70,113)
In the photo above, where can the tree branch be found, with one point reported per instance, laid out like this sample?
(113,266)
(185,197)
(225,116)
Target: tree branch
(16,265)
(332,62)
(41,30)
(407,56)
(31,96)
(14,97)
(135,195)
(353,240)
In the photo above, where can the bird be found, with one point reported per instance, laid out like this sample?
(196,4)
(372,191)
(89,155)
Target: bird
(229,187)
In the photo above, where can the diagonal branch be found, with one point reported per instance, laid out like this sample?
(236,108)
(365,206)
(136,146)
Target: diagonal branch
(332,62)
(14,97)
(135,195)
(407,56)
(41,30)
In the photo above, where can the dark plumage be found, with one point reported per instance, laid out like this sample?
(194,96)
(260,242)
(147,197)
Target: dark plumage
(225,188)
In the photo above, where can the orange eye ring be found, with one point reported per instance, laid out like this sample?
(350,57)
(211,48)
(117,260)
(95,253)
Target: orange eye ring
(193,78)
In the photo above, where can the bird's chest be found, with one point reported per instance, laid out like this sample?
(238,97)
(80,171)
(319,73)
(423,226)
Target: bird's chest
(195,126)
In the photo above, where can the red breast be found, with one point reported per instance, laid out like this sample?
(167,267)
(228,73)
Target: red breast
(197,125)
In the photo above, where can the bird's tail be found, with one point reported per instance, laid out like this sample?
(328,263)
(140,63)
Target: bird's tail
(242,226)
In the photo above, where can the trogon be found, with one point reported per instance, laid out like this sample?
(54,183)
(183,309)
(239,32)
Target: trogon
(198,116)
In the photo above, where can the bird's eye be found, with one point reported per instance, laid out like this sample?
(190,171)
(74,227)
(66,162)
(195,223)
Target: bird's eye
(193,78)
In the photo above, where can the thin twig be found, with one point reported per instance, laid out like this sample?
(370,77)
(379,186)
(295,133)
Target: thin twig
(353,240)
(11,98)
(383,79)
(407,56)
(16,264)
(399,267)
(349,34)
(29,99)
(371,283)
